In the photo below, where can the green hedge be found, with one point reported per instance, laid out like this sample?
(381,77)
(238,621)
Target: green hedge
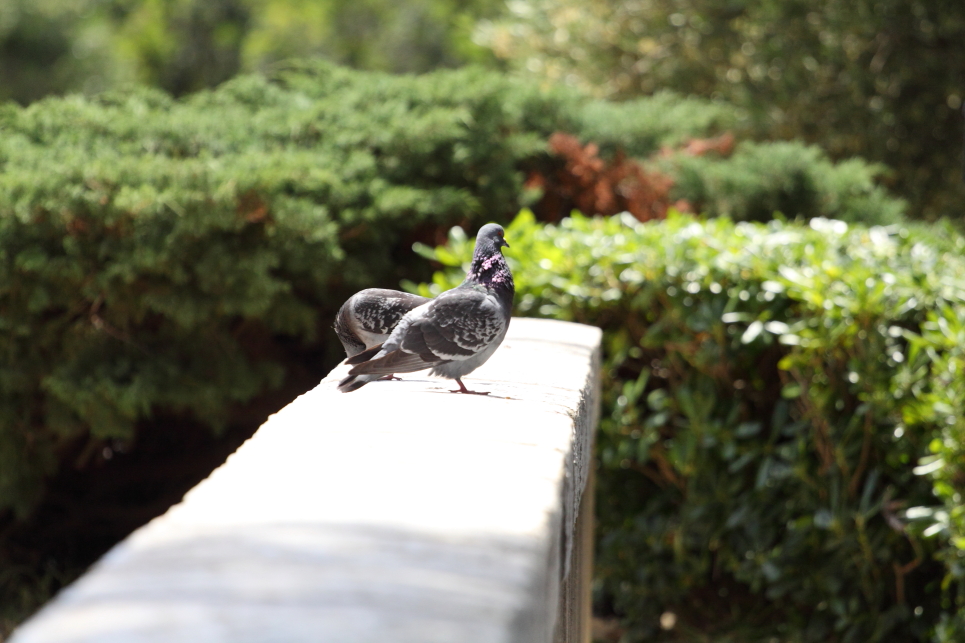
(782,438)
(179,258)
(177,261)
(643,126)
(797,180)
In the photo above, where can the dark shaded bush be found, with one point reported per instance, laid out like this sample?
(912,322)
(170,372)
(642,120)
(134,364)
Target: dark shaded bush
(178,262)
(154,250)
(177,256)
(878,79)
(180,46)
(181,260)
(781,441)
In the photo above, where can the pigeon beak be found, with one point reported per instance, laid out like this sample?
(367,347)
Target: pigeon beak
(503,243)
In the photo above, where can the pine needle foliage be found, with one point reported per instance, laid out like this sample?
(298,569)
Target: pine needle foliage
(179,258)
(792,178)
(158,255)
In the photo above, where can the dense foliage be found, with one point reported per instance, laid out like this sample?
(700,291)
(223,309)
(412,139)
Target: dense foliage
(877,79)
(172,263)
(177,256)
(153,252)
(781,441)
(880,79)
(176,261)
(794,179)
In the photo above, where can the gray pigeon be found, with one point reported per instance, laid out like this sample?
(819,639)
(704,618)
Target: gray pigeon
(453,334)
(367,318)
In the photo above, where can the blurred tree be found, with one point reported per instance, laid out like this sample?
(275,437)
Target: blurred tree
(882,79)
(181,45)
(407,36)
(57,47)
(48,46)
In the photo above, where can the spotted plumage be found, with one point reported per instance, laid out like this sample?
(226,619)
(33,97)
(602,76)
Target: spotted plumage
(453,334)
(368,317)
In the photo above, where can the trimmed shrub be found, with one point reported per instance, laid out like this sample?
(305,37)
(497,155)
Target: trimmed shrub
(642,126)
(180,257)
(179,261)
(177,258)
(794,179)
(781,440)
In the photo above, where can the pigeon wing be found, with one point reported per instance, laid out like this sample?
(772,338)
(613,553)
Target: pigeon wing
(452,328)
(457,326)
(379,310)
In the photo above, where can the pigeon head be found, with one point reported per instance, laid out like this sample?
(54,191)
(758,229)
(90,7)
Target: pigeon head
(491,235)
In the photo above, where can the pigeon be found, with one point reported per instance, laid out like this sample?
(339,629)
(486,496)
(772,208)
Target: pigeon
(453,334)
(368,317)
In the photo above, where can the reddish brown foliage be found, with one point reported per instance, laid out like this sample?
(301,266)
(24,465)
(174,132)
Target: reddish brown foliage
(593,185)
(583,181)
(252,207)
(723,145)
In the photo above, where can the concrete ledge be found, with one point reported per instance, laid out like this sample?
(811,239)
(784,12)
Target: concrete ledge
(397,513)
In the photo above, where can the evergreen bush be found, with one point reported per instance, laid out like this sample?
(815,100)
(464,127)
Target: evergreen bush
(794,179)
(177,261)
(876,79)
(174,257)
(781,443)
(181,257)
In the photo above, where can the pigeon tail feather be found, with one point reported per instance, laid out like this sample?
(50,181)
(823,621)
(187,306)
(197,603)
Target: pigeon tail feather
(355,382)
(365,355)
(395,362)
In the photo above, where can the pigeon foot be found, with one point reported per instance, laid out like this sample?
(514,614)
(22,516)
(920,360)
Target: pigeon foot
(462,389)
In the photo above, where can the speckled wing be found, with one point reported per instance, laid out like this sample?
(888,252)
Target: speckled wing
(380,310)
(368,317)
(455,326)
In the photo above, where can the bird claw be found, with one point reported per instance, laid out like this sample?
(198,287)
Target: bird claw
(462,389)
(390,378)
